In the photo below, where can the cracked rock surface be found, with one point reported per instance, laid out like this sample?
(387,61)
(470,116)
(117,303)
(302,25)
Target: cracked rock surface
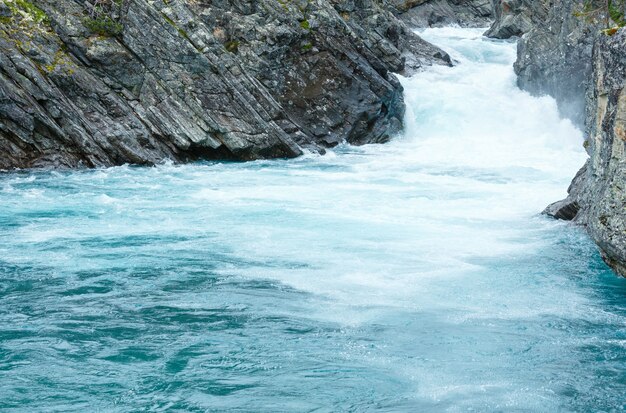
(200,79)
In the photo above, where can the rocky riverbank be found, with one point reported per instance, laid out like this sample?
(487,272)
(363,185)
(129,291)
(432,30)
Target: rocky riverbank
(438,13)
(185,80)
(597,197)
(568,57)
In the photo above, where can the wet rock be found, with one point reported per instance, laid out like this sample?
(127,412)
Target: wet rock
(568,208)
(604,195)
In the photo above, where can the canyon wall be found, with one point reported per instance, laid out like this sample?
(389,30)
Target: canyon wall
(597,196)
(567,56)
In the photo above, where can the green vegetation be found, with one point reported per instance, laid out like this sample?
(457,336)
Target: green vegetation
(305,25)
(105,17)
(232,46)
(104,26)
(61,59)
(181,31)
(37,14)
(172,23)
(25,9)
(616,12)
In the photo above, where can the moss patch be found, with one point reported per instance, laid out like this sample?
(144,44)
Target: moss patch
(25,9)
(37,14)
(232,46)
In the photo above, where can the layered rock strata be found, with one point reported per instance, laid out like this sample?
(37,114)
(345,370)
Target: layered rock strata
(437,13)
(198,79)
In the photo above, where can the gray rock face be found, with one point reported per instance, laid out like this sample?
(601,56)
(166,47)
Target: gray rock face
(199,79)
(567,57)
(555,57)
(516,17)
(597,197)
(437,13)
(554,52)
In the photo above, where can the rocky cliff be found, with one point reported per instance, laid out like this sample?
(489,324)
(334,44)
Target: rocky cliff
(566,55)
(105,82)
(554,53)
(436,13)
(597,196)
(516,17)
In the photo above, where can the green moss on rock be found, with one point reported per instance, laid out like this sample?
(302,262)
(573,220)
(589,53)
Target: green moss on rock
(232,46)
(104,26)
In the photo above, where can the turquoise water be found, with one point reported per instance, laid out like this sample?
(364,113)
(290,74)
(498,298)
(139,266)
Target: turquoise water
(415,276)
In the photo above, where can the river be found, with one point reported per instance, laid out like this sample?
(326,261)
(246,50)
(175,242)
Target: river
(414,276)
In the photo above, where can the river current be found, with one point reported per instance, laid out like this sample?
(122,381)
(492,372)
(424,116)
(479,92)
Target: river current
(415,276)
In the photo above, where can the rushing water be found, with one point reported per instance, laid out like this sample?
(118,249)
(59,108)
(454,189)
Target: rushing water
(412,276)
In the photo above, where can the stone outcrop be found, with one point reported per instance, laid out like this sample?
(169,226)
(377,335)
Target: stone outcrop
(554,55)
(597,195)
(516,17)
(201,79)
(568,57)
(437,13)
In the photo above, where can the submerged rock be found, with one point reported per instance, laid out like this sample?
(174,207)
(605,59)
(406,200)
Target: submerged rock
(185,80)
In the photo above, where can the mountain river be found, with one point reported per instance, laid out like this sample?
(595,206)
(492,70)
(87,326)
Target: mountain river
(415,276)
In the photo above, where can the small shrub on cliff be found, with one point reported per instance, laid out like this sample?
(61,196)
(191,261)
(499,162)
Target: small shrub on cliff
(37,14)
(617,10)
(104,26)
(25,10)
(104,17)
